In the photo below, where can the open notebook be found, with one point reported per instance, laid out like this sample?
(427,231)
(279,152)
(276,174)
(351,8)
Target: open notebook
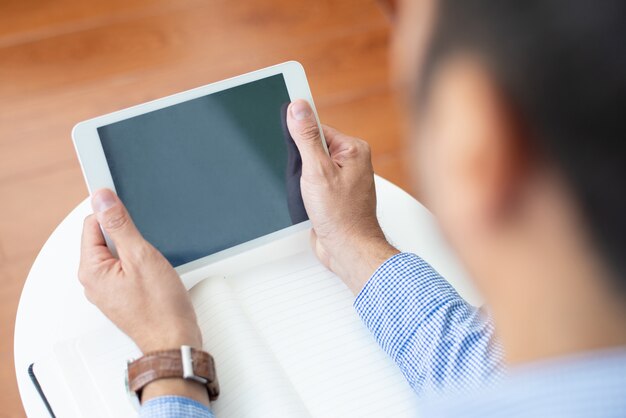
(286,340)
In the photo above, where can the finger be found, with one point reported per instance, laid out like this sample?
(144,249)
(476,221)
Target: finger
(92,235)
(93,249)
(345,149)
(331,135)
(335,140)
(305,132)
(115,220)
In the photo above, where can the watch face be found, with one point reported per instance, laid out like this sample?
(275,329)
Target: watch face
(132,395)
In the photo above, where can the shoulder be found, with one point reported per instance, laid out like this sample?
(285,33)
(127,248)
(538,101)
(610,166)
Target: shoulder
(582,386)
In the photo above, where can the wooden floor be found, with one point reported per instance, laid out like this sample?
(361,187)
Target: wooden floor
(67,60)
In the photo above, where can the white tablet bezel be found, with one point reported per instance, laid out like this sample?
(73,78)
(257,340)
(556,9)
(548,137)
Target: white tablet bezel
(96,170)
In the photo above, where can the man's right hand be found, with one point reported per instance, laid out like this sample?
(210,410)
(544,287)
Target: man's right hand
(340,198)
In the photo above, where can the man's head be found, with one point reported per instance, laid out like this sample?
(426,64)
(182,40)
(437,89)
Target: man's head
(522,129)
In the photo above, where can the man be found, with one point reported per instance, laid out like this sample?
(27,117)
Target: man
(520,154)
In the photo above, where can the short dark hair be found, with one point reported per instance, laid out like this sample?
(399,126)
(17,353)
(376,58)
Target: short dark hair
(562,64)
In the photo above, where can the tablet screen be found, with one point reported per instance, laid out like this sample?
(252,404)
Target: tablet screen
(210,173)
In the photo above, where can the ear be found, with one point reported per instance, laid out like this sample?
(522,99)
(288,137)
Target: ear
(477,141)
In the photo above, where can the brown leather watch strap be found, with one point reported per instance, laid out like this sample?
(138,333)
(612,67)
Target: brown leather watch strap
(168,363)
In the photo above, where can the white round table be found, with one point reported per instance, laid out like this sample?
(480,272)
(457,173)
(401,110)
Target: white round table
(53,307)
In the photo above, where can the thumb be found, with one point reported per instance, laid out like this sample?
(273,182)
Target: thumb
(115,219)
(305,132)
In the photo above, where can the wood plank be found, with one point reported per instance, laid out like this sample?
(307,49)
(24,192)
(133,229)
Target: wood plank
(373,118)
(35,136)
(2,259)
(200,36)
(27,20)
(12,277)
(393,167)
(35,207)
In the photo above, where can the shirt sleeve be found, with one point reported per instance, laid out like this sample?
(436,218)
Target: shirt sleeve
(174,407)
(440,342)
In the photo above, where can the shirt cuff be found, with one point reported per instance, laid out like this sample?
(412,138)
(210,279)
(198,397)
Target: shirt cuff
(400,296)
(174,407)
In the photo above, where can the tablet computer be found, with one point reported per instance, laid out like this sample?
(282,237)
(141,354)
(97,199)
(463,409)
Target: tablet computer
(207,172)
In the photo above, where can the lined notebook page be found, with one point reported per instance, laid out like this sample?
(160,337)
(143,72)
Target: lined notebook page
(300,317)
(251,380)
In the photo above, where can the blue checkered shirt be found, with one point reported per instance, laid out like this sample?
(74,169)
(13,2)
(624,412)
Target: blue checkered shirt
(448,352)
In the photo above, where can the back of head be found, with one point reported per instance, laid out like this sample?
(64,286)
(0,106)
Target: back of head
(562,65)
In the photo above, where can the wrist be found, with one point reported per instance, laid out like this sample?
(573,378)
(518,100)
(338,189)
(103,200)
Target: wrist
(181,372)
(175,387)
(157,341)
(361,257)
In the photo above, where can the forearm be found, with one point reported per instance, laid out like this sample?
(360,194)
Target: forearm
(439,341)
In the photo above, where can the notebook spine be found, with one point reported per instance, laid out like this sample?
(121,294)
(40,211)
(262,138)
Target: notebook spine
(33,378)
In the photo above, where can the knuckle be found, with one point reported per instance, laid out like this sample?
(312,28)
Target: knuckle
(83,271)
(89,295)
(87,224)
(351,150)
(309,132)
(89,219)
(142,251)
(82,277)
(116,220)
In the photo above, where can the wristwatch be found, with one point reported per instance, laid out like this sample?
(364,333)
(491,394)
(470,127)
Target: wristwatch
(186,363)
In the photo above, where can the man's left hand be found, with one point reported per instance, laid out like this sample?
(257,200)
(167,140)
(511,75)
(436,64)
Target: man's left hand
(139,292)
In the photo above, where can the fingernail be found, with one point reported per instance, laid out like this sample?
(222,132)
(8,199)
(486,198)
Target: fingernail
(103,200)
(300,110)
